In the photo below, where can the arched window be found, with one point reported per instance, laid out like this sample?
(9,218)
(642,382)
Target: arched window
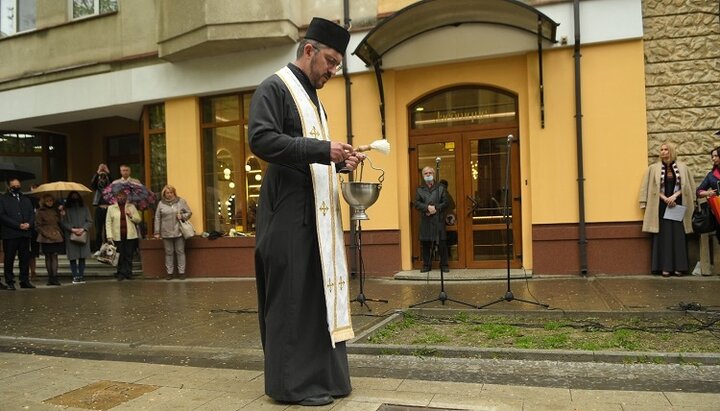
(462,106)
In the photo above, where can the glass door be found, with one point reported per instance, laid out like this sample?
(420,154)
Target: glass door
(487,187)
(440,153)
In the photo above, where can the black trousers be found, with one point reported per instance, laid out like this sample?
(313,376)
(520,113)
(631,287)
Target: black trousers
(21,247)
(100,215)
(126,248)
(427,250)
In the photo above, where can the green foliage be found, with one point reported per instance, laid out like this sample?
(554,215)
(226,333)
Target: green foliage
(554,325)
(462,317)
(590,346)
(530,332)
(389,331)
(495,331)
(430,337)
(625,339)
(555,341)
(526,341)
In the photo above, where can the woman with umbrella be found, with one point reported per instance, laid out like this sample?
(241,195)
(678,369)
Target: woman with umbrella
(120,227)
(50,235)
(77,222)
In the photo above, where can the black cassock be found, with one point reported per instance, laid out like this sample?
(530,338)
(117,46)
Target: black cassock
(299,359)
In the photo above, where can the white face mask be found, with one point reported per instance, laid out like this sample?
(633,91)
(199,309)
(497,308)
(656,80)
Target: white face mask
(428,179)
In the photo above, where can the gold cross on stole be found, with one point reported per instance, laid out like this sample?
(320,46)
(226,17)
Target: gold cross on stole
(314,132)
(324,208)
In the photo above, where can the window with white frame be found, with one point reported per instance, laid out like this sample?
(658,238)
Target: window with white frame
(85,8)
(16,16)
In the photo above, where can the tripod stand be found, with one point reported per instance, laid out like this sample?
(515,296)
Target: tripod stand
(442,297)
(508,247)
(361,268)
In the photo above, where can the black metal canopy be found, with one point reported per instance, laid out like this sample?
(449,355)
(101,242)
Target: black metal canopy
(428,15)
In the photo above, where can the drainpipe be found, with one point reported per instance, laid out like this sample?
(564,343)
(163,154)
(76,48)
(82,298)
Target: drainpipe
(582,237)
(348,125)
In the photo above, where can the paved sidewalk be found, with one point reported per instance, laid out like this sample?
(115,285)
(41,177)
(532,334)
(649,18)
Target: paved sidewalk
(198,342)
(35,382)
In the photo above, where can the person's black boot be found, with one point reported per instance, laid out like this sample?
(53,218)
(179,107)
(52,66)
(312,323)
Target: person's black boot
(26,284)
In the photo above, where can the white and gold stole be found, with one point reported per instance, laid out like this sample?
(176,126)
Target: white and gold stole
(328,220)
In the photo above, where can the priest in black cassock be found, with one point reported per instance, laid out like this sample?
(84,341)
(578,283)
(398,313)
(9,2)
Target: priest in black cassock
(300,263)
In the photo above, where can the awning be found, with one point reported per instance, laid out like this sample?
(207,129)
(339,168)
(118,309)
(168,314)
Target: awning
(428,15)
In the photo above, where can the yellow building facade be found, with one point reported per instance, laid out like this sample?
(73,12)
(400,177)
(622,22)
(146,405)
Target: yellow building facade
(451,95)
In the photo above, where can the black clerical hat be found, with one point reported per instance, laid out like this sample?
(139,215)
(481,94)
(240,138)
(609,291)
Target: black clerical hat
(329,34)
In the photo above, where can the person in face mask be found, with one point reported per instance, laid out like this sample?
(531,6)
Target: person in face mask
(77,221)
(17,217)
(120,228)
(431,201)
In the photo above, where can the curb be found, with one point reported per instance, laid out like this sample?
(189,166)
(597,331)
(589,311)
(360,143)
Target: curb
(358,345)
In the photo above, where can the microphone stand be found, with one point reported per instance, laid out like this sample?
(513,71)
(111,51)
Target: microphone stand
(508,247)
(442,297)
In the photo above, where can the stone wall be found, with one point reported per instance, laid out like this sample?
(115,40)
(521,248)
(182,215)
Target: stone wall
(682,78)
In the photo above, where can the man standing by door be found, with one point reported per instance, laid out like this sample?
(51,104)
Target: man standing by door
(17,217)
(432,201)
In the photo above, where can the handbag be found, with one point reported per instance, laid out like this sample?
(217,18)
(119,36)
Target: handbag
(703,220)
(108,254)
(80,239)
(187,229)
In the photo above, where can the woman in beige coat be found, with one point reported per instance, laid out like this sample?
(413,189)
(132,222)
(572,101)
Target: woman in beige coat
(667,184)
(120,228)
(170,211)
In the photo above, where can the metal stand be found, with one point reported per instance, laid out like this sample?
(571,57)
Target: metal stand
(361,266)
(442,297)
(508,244)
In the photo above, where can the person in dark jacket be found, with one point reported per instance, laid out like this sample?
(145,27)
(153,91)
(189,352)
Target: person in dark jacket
(17,217)
(431,201)
(100,180)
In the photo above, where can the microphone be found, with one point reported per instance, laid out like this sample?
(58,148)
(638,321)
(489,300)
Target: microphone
(510,138)
(437,160)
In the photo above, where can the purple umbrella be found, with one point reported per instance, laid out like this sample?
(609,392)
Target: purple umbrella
(137,194)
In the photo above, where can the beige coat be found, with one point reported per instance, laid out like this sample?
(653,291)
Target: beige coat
(650,197)
(112,222)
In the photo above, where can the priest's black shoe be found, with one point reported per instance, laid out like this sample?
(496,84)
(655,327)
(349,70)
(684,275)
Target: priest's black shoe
(27,285)
(11,287)
(425,269)
(316,401)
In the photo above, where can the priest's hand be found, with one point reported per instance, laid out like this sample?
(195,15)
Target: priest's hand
(353,160)
(339,152)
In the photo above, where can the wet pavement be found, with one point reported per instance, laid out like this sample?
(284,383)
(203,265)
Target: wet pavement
(212,323)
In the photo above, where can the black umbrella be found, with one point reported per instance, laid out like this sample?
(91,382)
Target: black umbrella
(10,170)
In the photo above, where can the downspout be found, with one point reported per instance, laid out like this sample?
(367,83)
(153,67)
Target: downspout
(582,235)
(349,128)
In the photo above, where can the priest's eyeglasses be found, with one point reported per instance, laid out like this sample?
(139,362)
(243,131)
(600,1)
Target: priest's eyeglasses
(331,62)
